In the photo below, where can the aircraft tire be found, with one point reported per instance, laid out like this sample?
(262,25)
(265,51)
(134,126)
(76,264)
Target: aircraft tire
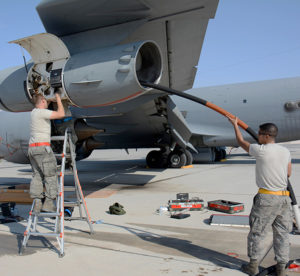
(156,159)
(177,159)
(220,154)
(224,154)
(189,158)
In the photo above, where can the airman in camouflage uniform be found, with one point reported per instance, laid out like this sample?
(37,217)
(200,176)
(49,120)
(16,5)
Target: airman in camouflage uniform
(41,157)
(272,204)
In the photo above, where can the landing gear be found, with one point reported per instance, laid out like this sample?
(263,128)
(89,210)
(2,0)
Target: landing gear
(209,154)
(177,159)
(164,158)
(156,159)
(220,154)
(189,158)
(180,157)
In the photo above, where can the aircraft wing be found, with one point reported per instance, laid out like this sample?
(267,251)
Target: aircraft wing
(178,26)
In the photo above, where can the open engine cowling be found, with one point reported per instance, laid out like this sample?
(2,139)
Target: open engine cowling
(100,77)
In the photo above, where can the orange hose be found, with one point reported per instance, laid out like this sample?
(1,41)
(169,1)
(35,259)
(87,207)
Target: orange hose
(226,114)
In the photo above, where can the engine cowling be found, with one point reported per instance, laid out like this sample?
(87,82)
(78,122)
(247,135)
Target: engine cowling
(112,75)
(13,93)
(99,77)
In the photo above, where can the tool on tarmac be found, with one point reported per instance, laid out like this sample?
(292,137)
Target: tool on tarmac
(180,216)
(225,206)
(184,203)
(194,204)
(59,215)
(229,220)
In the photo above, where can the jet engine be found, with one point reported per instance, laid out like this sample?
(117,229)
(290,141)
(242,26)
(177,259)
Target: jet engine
(13,94)
(98,77)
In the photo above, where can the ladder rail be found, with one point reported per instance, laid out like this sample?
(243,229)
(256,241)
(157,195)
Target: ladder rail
(78,186)
(61,193)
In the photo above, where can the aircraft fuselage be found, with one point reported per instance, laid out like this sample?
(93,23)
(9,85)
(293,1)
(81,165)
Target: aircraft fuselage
(255,103)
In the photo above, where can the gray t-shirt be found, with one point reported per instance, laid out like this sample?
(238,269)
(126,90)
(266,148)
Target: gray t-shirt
(40,126)
(271,166)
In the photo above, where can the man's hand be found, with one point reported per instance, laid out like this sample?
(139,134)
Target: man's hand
(233,120)
(57,95)
(239,137)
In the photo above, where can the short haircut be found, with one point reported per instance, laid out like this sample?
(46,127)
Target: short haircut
(37,98)
(269,128)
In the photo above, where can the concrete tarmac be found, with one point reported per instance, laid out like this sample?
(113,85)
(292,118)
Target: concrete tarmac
(143,241)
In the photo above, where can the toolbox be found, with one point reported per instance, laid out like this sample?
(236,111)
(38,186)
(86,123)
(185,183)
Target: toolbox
(194,204)
(182,196)
(225,206)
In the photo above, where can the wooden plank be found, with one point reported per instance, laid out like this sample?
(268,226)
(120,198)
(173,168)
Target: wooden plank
(17,196)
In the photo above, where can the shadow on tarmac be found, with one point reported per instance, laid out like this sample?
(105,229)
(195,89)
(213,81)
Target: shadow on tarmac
(162,244)
(12,181)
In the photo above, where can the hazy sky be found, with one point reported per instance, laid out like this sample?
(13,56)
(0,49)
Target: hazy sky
(248,40)
(251,40)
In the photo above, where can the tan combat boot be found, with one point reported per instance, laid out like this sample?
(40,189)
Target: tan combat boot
(48,206)
(250,268)
(37,205)
(281,269)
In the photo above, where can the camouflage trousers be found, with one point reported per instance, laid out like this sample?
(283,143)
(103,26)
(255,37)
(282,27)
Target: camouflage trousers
(270,211)
(43,163)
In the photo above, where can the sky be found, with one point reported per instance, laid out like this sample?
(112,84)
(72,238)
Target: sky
(248,40)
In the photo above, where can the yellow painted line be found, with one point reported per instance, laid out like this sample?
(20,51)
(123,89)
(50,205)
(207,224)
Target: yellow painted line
(223,160)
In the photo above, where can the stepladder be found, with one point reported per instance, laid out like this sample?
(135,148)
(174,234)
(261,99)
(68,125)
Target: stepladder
(54,222)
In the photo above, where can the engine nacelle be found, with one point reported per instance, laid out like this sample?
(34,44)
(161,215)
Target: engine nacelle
(100,77)
(111,75)
(13,94)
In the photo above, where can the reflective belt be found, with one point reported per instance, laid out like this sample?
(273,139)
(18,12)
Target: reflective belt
(281,193)
(39,144)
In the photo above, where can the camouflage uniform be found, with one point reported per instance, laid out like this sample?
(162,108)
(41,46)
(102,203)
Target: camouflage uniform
(41,157)
(43,163)
(270,211)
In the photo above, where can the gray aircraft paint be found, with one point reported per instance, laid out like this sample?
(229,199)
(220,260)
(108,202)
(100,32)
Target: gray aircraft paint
(142,127)
(14,136)
(253,102)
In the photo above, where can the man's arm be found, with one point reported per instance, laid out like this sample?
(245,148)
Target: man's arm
(239,137)
(289,169)
(60,113)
